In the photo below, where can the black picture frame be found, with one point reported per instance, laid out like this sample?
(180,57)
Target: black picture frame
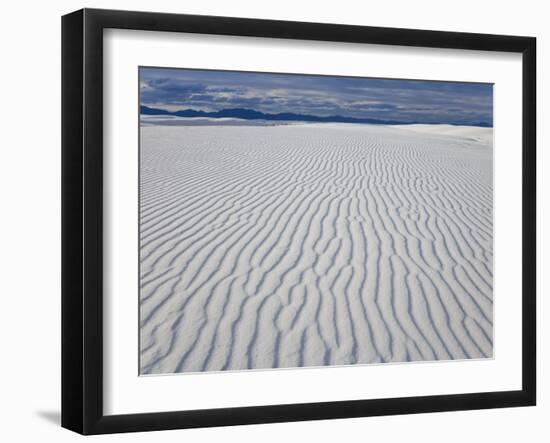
(82,216)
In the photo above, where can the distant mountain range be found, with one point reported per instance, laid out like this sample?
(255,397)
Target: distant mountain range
(249,114)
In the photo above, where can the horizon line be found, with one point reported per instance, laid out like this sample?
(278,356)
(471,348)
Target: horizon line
(292,116)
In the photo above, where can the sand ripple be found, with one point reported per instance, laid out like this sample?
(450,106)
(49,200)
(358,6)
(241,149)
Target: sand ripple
(308,245)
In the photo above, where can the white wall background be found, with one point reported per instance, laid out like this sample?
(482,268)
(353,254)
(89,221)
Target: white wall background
(30,219)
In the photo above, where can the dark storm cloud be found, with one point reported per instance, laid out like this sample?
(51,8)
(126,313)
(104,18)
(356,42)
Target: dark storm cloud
(402,100)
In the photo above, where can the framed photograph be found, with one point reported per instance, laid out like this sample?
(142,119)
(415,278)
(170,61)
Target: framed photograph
(269,221)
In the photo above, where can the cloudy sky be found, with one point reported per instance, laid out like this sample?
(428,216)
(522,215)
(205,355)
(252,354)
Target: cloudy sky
(402,100)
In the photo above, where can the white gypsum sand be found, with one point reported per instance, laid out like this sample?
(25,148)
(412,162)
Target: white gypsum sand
(314,244)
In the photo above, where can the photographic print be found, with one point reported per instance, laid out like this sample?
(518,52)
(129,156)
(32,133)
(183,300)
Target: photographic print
(291,220)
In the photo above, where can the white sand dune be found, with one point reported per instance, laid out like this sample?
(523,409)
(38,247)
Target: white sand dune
(309,245)
(475,133)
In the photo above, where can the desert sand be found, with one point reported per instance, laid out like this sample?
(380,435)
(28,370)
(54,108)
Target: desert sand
(313,244)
